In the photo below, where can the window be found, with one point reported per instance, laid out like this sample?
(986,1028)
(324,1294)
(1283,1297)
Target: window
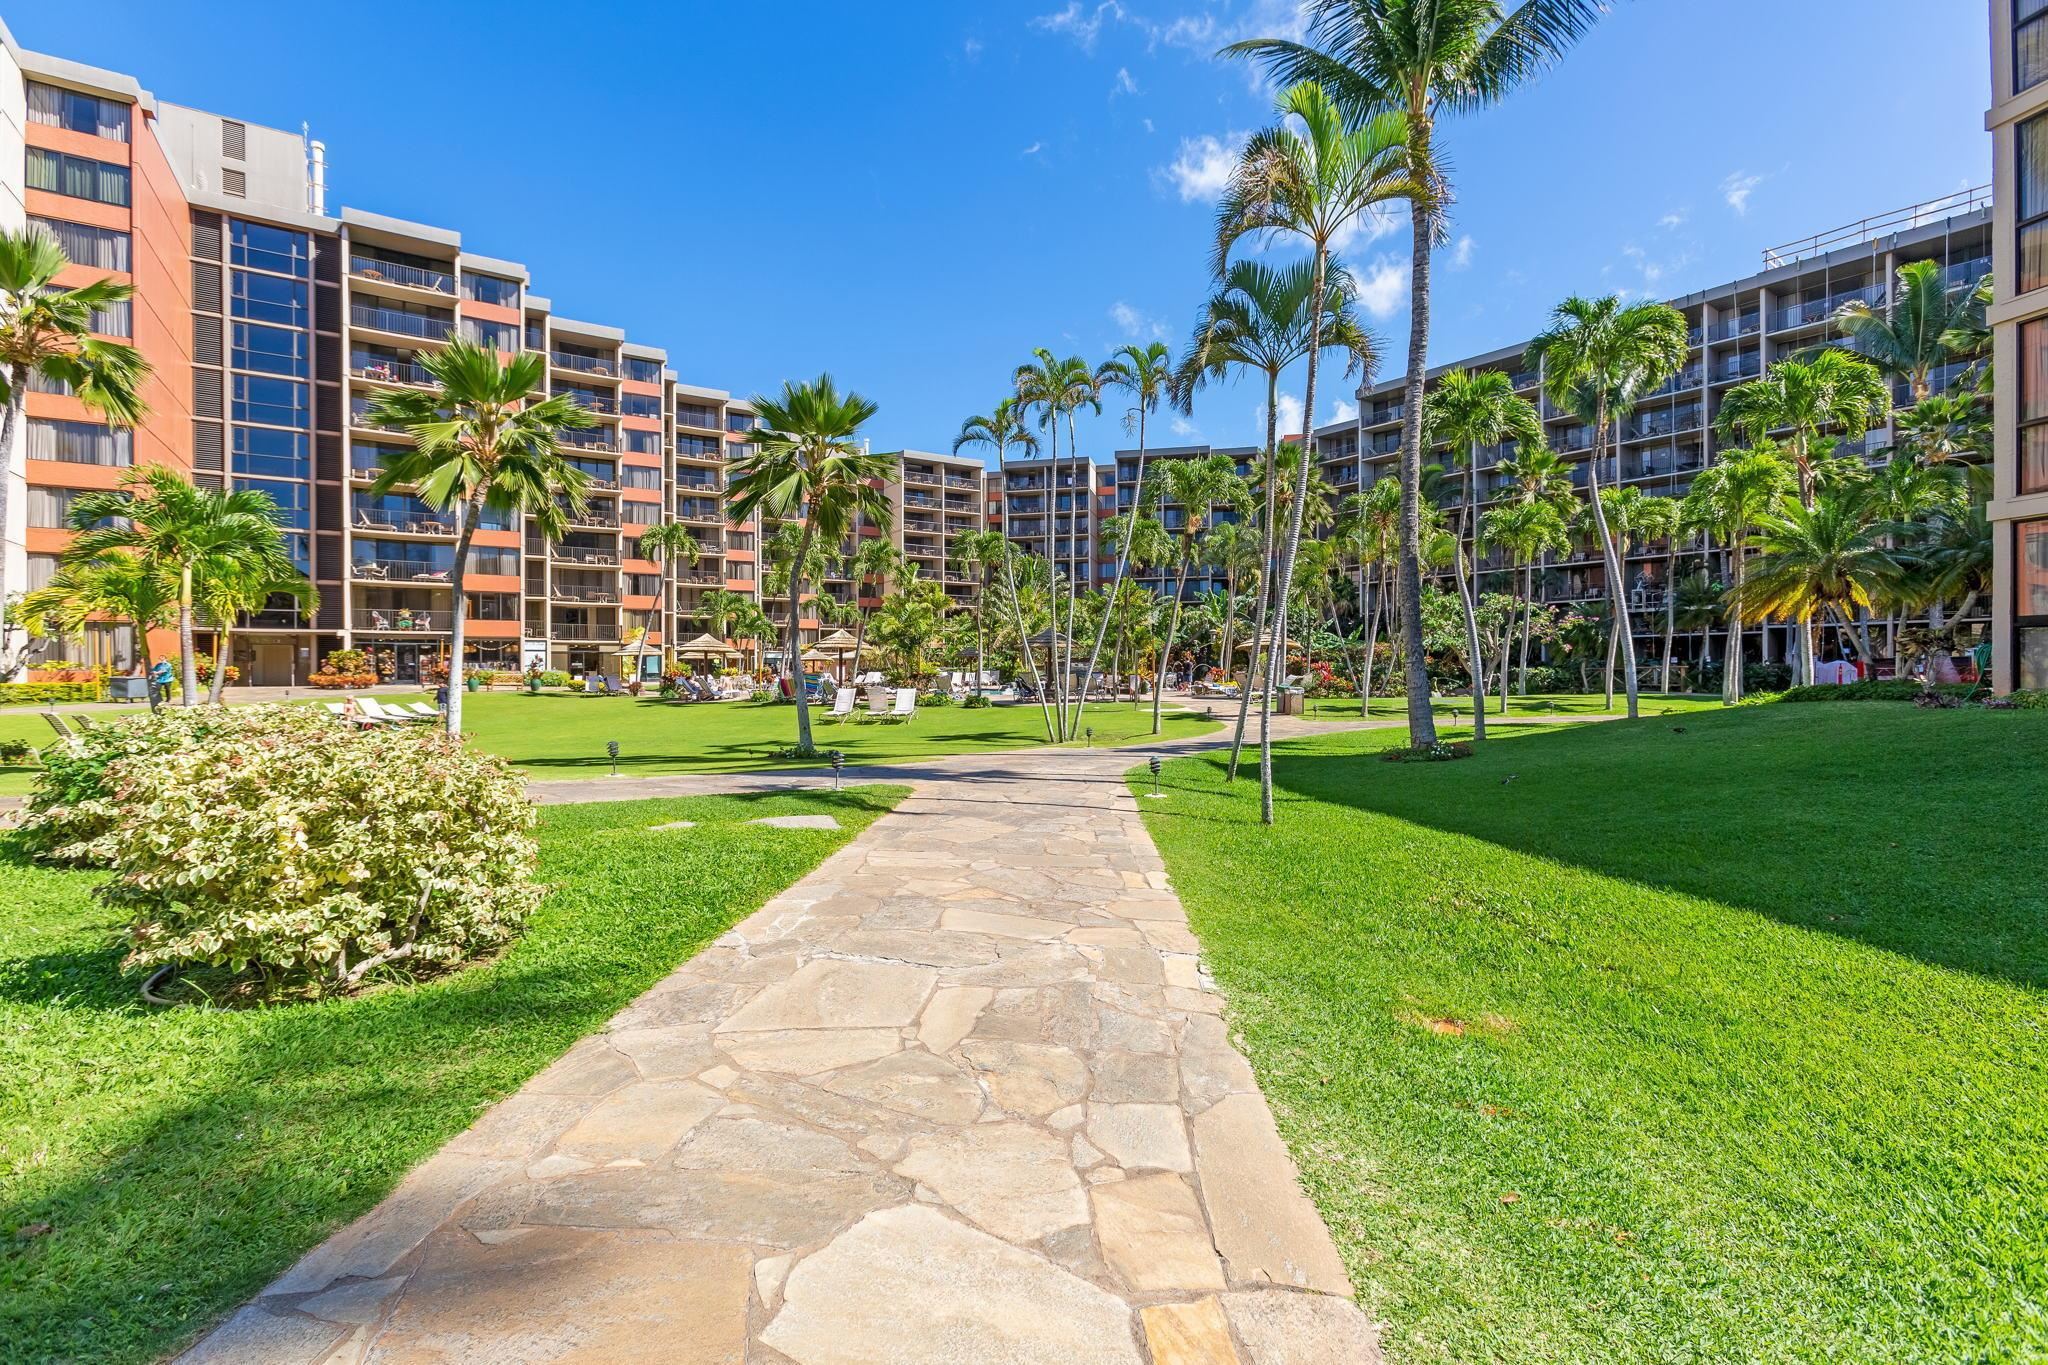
(272,454)
(741,569)
(51,507)
(643,371)
(638,476)
(643,584)
(639,405)
(79,112)
(491,289)
(2030,142)
(2033,412)
(493,559)
(79,442)
(699,446)
(273,350)
(78,176)
(115,319)
(697,415)
(2029,43)
(493,606)
(502,335)
(83,244)
(641,442)
(2030,602)
(741,421)
(640,513)
(266,298)
(294,500)
(273,402)
(41,569)
(267,248)
(38,382)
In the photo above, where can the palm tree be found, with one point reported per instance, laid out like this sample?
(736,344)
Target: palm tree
(1912,498)
(1146,373)
(120,585)
(1820,559)
(734,616)
(665,543)
(1315,184)
(1150,548)
(46,334)
(1525,530)
(1541,475)
(1059,388)
(1259,319)
(239,588)
(875,560)
(1947,428)
(1909,340)
(1424,59)
(1805,397)
(481,442)
(980,553)
(1598,356)
(190,535)
(1466,410)
(1231,547)
(1633,518)
(806,463)
(1370,524)
(1729,500)
(1002,428)
(1196,487)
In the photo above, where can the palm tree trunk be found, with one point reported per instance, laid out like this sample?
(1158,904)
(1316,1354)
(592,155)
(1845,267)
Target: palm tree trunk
(221,655)
(794,662)
(11,421)
(1421,721)
(1229,615)
(1528,606)
(1607,675)
(465,530)
(1024,639)
(1116,588)
(188,666)
(1172,630)
(1369,605)
(1670,617)
(1251,663)
(1731,657)
(1468,590)
(1621,633)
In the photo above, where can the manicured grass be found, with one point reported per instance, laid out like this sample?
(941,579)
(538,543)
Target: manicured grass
(184,1157)
(1560,704)
(1714,1040)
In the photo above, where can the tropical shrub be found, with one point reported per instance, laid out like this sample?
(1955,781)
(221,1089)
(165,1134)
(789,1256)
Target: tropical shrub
(935,699)
(975,701)
(270,837)
(47,693)
(1756,677)
(553,677)
(75,804)
(1872,689)
(64,675)
(17,751)
(2027,699)
(1441,751)
(203,663)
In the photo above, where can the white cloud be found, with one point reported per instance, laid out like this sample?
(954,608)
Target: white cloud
(1346,411)
(1204,33)
(1737,188)
(1376,222)
(1461,254)
(1148,124)
(1183,428)
(972,48)
(1124,84)
(1673,219)
(1033,150)
(1290,415)
(1082,24)
(1384,287)
(1135,324)
(1203,168)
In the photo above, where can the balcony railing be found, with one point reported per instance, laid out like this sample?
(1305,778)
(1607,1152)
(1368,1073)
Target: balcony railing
(421,523)
(572,554)
(390,371)
(399,571)
(402,323)
(407,620)
(359,416)
(593,402)
(374,268)
(1735,327)
(703,485)
(585,440)
(1864,229)
(583,630)
(585,364)
(961,481)
(929,477)
(568,593)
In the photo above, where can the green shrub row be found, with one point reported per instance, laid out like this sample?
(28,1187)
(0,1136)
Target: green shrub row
(47,693)
(1873,689)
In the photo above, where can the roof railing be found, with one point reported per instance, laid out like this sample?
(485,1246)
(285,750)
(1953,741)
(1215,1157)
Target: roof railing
(1867,229)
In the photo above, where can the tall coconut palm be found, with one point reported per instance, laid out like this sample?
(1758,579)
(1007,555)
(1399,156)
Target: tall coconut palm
(1313,179)
(669,543)
(1232,547)
(1146,374)
(191,535)
(808,466)
(1525,530)
(733,616)
(1598,356)
(1196,487)
(1466,410)
(481,442)
(1909,497)
(1259,318)
(1541,475)
(1058,388)
(1909,339)
(1820,559)
(241,588)
(1150,548)
(1425,59)
(1633,518)
(875,560)
(1729,500)
(1000,430)
(120,585)
(1369,527)
(46,334)
(980,554)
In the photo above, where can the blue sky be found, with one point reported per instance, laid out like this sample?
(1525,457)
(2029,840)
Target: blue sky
(914,194)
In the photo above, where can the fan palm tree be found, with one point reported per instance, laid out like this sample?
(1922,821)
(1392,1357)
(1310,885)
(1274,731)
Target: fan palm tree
(120,585)
(1909,339)
(807,465)
(1598,356)
(1729,500)
(1146,373)
(667,543)
(1259,319)
(1820,559)
(1312,178)
(1424,59)
(1525,530)
(1947,428)
(980,554)
(240,588)
(46,333)
(1002,428)
(481,442)
(1466,410)
(1197,487)
(190,535)
(1058,389)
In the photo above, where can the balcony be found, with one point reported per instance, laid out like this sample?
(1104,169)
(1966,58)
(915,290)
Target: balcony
(593,514)
(359,416)
(584,364)
(962,481)
(577,554)
(564,592)
(590,400)
(424,325)
(400,571)
(1729,328)
(928,477)
(599,628)
(387,370)
(700,418)
(420,523)
(580,439)
(1820,310)
(392,272)
(402,620)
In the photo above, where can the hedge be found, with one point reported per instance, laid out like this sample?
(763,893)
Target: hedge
(47,694)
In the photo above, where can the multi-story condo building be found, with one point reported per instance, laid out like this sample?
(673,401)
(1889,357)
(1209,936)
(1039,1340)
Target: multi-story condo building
(1202,577)
(1056,514)
(1737,330)
(2019,318)
(270,323)
(937,499)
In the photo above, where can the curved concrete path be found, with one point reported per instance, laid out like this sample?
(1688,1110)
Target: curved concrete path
(964,1094)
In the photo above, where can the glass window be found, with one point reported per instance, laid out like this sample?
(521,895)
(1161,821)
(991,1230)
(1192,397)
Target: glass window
(639,476)
(640,405)
(271,454)
(273,350)
(2030,141)
(640,513)
(262,247)
(78,176)
(77,111)
(294,500)
(2033,406)
(115,320)
(273,402)
(79,442)
(491,289)
(266,298)
(644,371)
(83,244)
(642,442)
(501,335)
(2029,43)
(493,559)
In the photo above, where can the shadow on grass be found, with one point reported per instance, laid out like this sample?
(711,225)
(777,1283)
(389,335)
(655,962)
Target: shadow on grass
(1907,831)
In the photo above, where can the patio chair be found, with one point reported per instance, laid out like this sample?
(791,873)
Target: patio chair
(906,705)
(424,710)
(842,704)
(375,709)
(56,722)
(348,716)
(693,689)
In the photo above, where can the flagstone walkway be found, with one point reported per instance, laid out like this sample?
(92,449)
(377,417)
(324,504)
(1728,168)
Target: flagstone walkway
(964,1094)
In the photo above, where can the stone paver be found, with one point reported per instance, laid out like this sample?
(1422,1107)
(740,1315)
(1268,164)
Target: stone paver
(964,1094)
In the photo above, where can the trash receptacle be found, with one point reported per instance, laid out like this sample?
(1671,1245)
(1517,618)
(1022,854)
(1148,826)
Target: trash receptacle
(128,689)
(1292,701)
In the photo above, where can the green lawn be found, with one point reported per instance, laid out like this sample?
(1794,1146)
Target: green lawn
(1721,1040)
(185,1157)
(1562,704)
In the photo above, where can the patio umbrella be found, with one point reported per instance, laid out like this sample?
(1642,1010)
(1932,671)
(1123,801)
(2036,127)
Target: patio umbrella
(636,651)
(704,647)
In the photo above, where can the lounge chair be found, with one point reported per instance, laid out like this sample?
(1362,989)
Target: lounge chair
(843,704)
(694,690)
(56,722)
(905,708)
(357,718)
(424,710)
(376,710)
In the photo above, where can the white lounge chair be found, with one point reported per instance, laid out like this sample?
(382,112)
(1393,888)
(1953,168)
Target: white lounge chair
(843,702)
(376,710)
(424,710)
(356,717)
(906,705)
